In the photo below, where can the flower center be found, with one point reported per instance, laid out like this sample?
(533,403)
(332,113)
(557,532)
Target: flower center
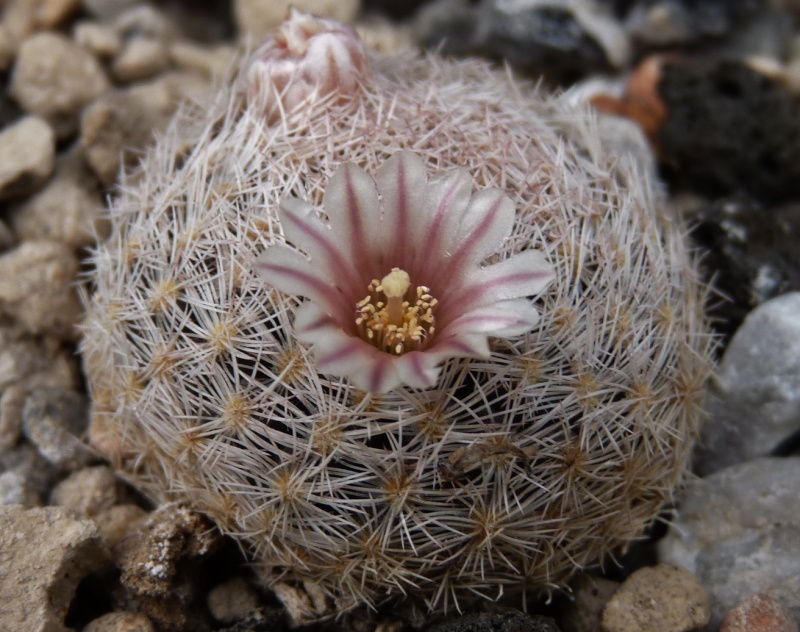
(390,323)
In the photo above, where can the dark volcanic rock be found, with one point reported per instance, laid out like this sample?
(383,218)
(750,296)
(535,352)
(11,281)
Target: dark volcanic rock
(751,253)
(675,22)
(730,129)
(506,622)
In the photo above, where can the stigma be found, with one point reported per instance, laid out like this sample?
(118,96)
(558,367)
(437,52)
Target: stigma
(395,316)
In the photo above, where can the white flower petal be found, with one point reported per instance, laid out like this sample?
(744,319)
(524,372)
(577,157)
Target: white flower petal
(525,274)
(402,183)
(446,203)
(485,224)
(506,318)
(351,203)
(303,228)
(464,345)
(417,369)
(291,272)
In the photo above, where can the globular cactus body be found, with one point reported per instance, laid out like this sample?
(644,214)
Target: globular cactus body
(515,469)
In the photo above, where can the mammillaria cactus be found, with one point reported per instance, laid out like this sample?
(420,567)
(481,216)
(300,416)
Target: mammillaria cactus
(533,407)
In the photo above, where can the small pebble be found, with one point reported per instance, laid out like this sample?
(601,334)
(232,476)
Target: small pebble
(53,420)
(154,560)
(52,13)
(99,38)
(27,156)
(55,78)
(69,209)
(37,288)
(28,476)
(121,622)
(749,252)
(33,362)
(114,523)
(232,600)
(665,597)
(141,58)
(564,38)
(88,491)
(758,613)
(15,490)
(212,62)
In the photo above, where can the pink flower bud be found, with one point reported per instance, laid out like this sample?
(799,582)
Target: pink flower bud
(308,58)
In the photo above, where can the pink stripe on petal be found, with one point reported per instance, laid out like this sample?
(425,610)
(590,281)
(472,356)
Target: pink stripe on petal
(417,369)
(448,199)
(501,319)
(290,272)
(486,224)
(402,183)
(312,235)
(351,202)
(524,274)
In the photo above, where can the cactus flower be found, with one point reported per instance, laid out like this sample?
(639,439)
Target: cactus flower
(394,280)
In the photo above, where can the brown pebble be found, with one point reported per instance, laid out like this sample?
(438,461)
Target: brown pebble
(758,613)
(121,622)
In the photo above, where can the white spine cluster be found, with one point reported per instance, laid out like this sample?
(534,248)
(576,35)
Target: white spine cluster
(513,471)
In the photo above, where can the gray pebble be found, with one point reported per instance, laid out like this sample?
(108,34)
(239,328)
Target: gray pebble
(28,475)
(754,403)
(738,530)
(54,420)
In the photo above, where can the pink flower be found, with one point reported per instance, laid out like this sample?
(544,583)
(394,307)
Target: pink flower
(394,280)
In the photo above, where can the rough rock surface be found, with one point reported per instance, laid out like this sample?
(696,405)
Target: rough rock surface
(758,613)
(150,560)
(44,554)
(730,129)
(37,288)
(27,156)
(738,530)
(666,598)
(754,402)
(55,78)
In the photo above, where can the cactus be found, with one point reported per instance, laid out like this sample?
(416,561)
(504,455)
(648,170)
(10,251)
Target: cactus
(505,468)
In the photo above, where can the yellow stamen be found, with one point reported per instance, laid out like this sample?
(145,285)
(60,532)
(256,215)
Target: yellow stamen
(396,325)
